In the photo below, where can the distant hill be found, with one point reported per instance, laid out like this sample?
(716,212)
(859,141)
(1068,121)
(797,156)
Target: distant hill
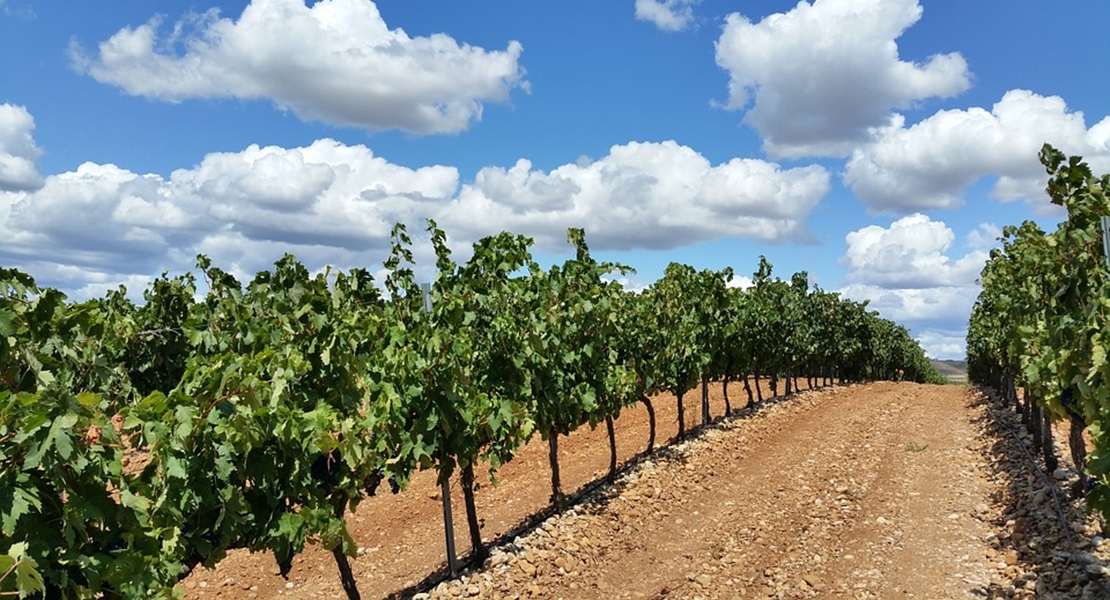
(954,370)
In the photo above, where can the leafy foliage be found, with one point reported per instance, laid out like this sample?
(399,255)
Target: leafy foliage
(1040,322)
(139,441)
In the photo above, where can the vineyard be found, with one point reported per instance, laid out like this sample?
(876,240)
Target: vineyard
(1039,329)
(140,441)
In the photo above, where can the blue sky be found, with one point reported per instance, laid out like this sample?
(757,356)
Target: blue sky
(877,144)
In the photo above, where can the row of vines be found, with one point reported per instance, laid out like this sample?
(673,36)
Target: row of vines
(1040,323)
(138,441)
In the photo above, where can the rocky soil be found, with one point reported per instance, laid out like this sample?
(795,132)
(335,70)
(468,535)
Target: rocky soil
(887,490)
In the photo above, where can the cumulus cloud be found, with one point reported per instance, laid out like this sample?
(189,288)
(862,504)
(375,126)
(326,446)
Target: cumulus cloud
(668,15)
(326,194)
(336,61)
(936,317)
(921,310)
(18,151)
(984,236)
(327,203)
(927,165)
(642,195)
(911,253)
(330,203)
(75,219)
(943,344)
(630,284)
(740,281)
(906,272)
(820,77)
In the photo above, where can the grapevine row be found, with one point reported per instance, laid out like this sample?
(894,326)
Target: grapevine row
(1040,323)
(138,441)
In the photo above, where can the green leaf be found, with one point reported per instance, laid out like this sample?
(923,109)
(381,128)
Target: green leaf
(88,399)
(45,378)
(7,325)
(175,467)
(27,578)
(291,528)
(224,466)
(63,442)
(20,507)
(130,500)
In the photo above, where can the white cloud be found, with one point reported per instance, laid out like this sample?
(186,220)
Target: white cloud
(943,344)
(327,203)
(909,254)
(740,281)
(984,236)
(18,151)
(820,77)
(918,309)
(668,15)
(81,283)
(630,284)
(327,194)
(906,273)
(73,220)
(642,195)
(936,317)
(927,165)
(336,61)
(330,203)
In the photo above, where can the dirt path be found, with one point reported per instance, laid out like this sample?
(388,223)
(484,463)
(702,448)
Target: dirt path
(401,538)
(874,491)
(877,491)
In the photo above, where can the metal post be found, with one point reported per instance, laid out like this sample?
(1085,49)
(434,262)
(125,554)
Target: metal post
(445,487)
(426,291)
(449,529)
(704,399)
(1106,239)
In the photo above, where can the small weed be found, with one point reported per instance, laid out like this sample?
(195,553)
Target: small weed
(915,447)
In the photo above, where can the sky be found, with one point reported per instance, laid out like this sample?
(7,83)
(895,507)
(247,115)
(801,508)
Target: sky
(879,145)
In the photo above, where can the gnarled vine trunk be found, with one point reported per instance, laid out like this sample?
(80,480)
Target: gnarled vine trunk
(651,422)
(612,447)
(557,496)
(704,399)
(681,417)
(724,391)
(477,548)
(346,575)
(1050,461)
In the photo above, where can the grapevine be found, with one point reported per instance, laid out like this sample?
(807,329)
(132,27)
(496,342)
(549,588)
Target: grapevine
(139,441)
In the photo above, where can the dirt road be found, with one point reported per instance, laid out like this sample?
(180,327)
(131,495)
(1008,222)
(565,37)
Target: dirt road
(878,491)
